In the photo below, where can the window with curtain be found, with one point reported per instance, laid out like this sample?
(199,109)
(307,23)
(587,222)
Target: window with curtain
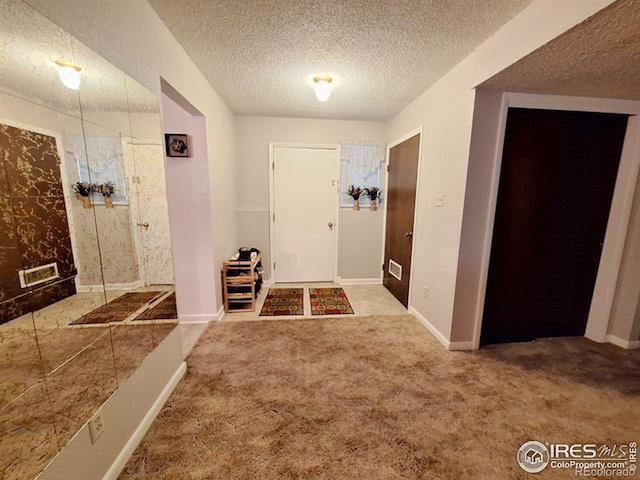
(360,165)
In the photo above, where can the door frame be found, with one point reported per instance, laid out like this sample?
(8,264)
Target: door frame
(619,213)
(272,209)
(390,145)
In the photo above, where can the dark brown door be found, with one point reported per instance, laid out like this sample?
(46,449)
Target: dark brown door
(556,184)
(401,198)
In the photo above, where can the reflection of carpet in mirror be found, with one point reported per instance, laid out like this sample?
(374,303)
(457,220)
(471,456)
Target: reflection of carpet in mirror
(165,309)
(118,309)
(82,371)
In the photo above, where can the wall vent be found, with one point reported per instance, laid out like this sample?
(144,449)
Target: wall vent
(395,269)
(37,275)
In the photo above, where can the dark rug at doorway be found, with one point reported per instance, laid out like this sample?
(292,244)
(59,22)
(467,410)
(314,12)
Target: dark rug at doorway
(118,309)
(283,301)
(329,301)
(165,310)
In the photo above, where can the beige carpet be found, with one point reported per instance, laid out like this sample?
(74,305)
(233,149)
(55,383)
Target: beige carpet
(379,398)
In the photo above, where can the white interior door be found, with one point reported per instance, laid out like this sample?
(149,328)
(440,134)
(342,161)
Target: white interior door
(305,204)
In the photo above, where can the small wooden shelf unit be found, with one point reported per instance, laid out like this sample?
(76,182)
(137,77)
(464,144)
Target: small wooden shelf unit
(239,291)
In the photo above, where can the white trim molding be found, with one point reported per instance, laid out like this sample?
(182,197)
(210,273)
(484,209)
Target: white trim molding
(135,439)
(359,281)
(109,287)
(432,329)
(628,344)
(202,317)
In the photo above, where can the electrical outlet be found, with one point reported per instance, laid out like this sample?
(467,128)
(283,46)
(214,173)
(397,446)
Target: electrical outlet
(96,427)
(440,200)
(425,292)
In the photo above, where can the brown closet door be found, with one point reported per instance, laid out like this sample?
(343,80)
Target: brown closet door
(557,180)
(401,197)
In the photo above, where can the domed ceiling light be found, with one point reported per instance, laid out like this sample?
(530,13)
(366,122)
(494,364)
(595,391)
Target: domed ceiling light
(69,74)
(322,87)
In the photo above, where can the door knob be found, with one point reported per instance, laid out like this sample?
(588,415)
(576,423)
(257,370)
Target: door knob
(330,224)
(145,224)
(408,234)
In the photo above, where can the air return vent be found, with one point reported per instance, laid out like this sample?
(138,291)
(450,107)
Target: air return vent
(37,275)
(395,269)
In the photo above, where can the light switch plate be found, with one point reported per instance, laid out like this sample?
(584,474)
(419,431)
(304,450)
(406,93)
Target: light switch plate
(440,200)
(96,427)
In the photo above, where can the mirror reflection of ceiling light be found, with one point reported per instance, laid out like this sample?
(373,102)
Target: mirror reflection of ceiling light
(69,74)
(322,87)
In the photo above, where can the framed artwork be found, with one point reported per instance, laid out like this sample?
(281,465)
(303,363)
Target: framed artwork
(177,144)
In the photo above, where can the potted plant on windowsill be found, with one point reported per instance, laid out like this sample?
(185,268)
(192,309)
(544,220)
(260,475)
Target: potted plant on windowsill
(106,189)
(355,192)
(374,195)
(83,191)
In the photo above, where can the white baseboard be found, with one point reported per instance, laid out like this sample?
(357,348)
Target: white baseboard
(202,317)
(433,330)
(359,281)
(198,318)
(462,345)
(628,344)
(133,442)
(110,287)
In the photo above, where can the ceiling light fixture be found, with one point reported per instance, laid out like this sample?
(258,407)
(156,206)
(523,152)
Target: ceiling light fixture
(322,87)
(69,74)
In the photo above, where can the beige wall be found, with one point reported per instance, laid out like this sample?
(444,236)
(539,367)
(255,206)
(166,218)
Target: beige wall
(445,111)
(133,37)
(253,135)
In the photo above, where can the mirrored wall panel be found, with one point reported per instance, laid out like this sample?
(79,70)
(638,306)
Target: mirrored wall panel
(86,276)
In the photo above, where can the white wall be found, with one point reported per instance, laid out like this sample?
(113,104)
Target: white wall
(445,111)
(132,37)
(189,217)
(253,135)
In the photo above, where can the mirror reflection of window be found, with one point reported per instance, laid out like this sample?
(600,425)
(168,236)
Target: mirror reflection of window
(106,164)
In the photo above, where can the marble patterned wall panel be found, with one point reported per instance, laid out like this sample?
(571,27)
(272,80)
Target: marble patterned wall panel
(10,259)
(31,163)
(34,208)
(37,299)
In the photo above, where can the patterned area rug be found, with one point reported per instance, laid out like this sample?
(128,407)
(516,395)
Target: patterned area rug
(164,310)
(117,309)
(329,301)
(283,301)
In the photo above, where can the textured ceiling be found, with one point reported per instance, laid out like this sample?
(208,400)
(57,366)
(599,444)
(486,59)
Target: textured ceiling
(598,58)
(260,54)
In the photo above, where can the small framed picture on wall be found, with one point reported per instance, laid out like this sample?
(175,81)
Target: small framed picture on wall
(177,144)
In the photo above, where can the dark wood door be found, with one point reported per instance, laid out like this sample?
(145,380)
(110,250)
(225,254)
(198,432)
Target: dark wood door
(557,180)
(401,197)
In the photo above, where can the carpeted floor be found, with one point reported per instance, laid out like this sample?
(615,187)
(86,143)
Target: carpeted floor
(118,309)
(164,310)
(379,398)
